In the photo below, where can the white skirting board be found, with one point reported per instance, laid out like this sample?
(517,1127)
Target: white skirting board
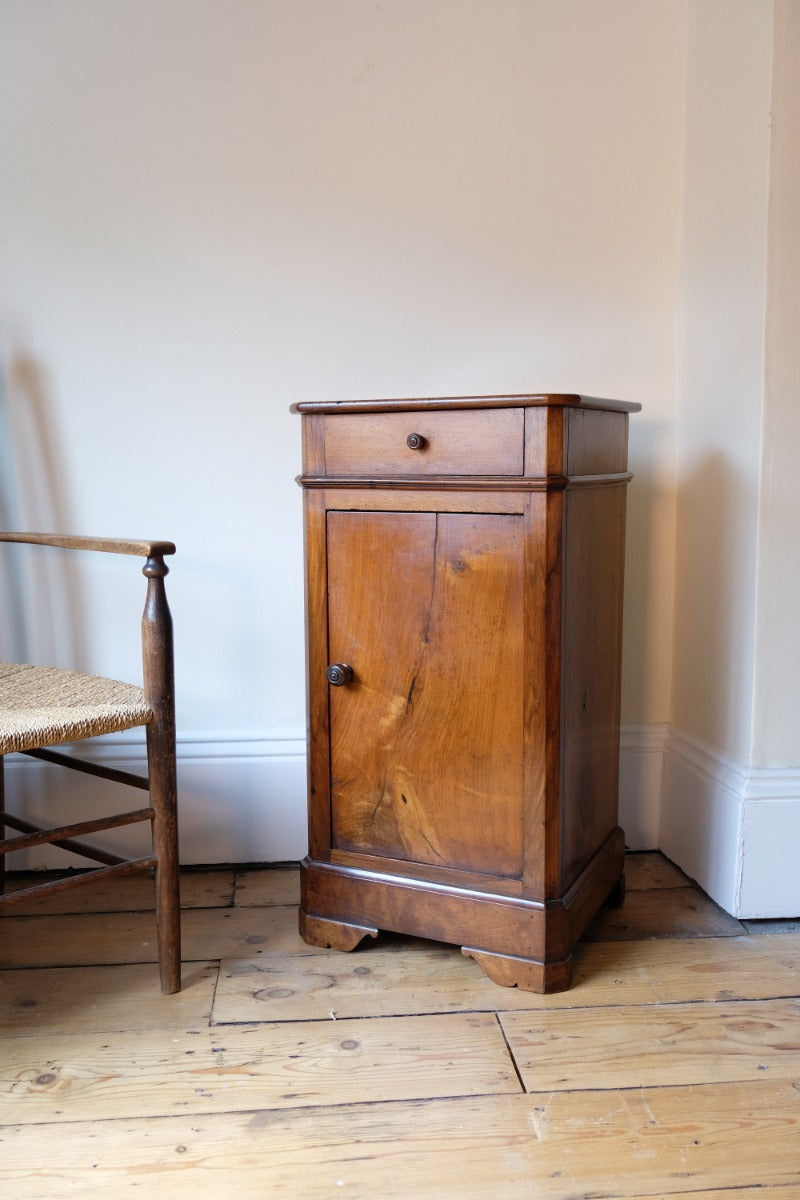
(733,829)
(641,761)
(241,800)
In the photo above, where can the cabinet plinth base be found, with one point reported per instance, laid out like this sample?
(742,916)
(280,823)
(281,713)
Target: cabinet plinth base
(517,942)
(524,973)
(332,935)
(616,897)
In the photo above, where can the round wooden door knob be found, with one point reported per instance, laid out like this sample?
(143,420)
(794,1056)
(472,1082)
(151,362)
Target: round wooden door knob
(339,674)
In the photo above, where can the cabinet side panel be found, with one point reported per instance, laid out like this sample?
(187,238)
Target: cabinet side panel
(313,445)
(542,692)
(594,547)
(597,442)
(426,742)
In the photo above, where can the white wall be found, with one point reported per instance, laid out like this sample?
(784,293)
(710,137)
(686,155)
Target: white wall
(721,367)
(775,733)
(769,878)
(212,210)
(730,805)
(719,399)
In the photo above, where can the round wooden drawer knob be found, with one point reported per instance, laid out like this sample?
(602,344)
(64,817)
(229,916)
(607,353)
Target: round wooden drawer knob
(339,674)
(415,441)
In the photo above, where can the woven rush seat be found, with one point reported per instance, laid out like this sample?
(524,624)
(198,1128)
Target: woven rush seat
(46,706)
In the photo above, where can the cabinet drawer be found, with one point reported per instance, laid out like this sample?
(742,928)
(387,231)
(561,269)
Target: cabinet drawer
(449,442)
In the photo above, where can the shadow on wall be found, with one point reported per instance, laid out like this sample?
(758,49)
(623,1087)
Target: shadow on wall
(40,596)
(39,591)
(708,755)
(717,507)
(647,631)
(648,597)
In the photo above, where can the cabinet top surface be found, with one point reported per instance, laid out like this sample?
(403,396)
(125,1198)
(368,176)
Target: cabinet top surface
(538,400)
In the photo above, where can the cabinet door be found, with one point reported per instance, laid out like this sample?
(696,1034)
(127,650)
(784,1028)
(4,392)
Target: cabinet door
(427,739)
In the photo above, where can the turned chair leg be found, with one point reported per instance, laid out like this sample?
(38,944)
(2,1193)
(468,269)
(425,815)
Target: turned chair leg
(163,799)
(159,686)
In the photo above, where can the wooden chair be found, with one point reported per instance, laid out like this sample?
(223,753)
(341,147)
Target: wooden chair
(43,707)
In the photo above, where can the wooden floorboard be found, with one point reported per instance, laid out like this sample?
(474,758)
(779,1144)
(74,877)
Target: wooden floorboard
(405,976)
(281,886)
(59,1000)
(644,872)
(670,1069)
(655,1045)
(87,939)
(656,1142)
(163,1072)
(132,893)
(669,912)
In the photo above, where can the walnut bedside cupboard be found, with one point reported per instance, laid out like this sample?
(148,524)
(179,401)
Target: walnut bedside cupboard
(464,565)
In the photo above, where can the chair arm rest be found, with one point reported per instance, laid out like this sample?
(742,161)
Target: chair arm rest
(146,549)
